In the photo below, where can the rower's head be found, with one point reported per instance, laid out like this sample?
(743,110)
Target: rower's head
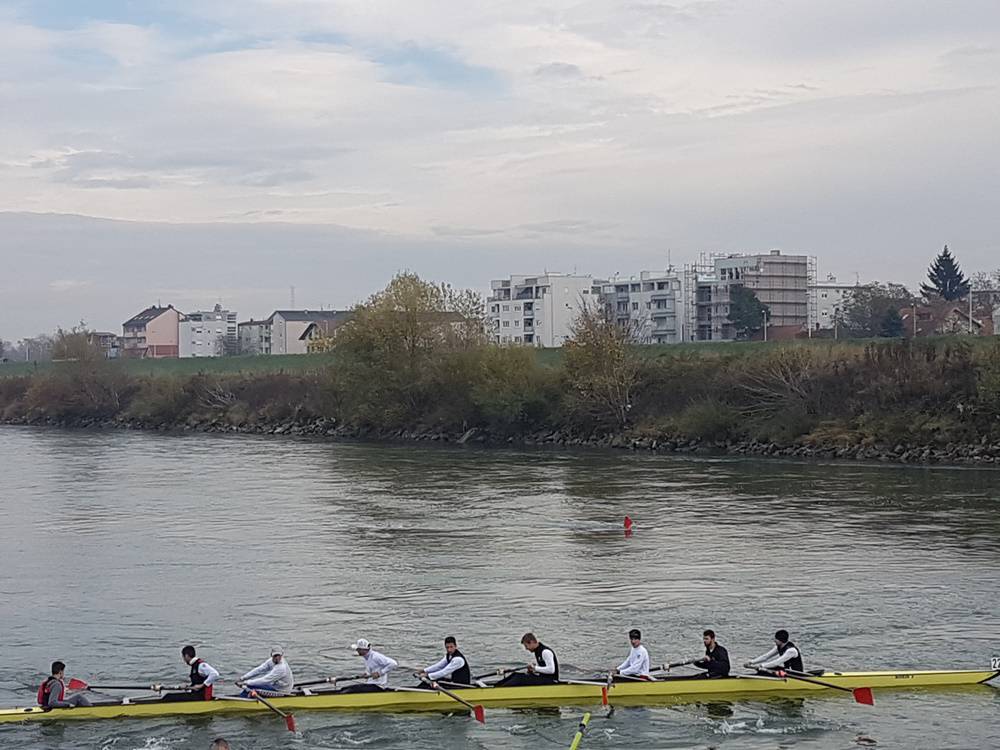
(529,641)
(362,647)
(277,654)
(188,654)
(635,637)
(450,644)
(709,638)
(781,637)
(219,743)
(58,669)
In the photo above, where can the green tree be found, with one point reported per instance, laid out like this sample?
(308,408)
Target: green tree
(865,310)
(746,312)
(892,324)
(947,280)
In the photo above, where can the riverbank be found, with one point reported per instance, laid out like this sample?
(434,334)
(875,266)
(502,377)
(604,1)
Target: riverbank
(898,401)
(980,454)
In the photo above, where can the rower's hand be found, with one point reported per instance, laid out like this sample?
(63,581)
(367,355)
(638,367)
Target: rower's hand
(375,675)
(615,672)
(748,665)
(198,687)
(531,667)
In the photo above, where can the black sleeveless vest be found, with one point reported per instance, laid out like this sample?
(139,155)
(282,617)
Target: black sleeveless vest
(462,676)
(795,664)
(541,662)
(197,678)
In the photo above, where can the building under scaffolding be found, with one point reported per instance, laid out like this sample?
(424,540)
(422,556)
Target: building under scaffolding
(781,282)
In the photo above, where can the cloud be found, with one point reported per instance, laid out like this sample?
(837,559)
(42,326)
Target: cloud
(68,285)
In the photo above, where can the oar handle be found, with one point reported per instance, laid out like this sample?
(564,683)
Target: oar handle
(331,680)
(156,688)
(500,672)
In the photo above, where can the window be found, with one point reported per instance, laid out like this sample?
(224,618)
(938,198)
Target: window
(517,308)
(506,324)
(635,305)
(506,308)
(517,324)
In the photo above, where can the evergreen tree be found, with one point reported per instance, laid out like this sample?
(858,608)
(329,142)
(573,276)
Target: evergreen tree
(947,280)
(746,312)
(892,324)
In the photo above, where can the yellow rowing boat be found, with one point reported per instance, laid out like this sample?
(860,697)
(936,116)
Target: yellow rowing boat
(622,693)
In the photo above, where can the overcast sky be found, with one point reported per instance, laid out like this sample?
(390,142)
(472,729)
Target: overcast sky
(250,146)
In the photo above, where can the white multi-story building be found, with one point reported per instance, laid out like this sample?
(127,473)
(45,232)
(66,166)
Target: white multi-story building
(651,303)
(828,299)
(207,333)
(255,336)
(538,310)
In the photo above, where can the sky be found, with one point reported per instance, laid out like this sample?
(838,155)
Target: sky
(204,150)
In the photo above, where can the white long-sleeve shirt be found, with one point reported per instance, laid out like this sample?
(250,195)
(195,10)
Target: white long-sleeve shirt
(269,673)
(637,662)
(376,662)
(773,660)
(209,672)
(549,667)
(444,668)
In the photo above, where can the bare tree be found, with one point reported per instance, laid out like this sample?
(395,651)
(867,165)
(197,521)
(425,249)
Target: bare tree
(602,363)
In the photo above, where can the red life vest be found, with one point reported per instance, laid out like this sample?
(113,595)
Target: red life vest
(198,679)
(46,688)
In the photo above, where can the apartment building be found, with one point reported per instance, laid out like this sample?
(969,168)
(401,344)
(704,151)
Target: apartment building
(208,333)
(828,299)
(254,336)
(151,333)
(651,303)
(538,310)
(780,281)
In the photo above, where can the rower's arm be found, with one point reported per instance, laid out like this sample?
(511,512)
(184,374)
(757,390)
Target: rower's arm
(257,670)
(444,668)
(632,665)
(779,661)
(275,673)
(764,657)
(549,667)
(436,666)
(209,672)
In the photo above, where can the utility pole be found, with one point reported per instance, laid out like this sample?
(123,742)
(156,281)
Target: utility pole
(970,311)
(765,324)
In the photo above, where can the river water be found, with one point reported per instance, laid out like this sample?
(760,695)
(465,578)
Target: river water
(118,548)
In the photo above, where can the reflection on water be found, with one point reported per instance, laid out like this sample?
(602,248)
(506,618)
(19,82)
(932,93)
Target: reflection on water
(118,548)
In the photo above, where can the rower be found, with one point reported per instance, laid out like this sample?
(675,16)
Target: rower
(377,667)
(52,692)
(203,675)
(543,671)
(453,668)
(273,676)
(784,655)
(716,659)
(637,663)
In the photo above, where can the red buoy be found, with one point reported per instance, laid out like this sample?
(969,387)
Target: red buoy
(628,526)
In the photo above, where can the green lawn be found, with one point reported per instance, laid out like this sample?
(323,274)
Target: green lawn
(190,366)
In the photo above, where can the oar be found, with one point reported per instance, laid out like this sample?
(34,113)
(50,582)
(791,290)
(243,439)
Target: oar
(75,684)
(582,730)
(477,709)
(667,667)
(861,694)
(331,680)
(499,672)
(289,719)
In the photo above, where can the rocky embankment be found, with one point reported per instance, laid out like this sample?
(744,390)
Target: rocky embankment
(982,453)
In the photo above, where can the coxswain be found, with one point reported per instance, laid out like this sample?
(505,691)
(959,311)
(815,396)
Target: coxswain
(52,692)
(203,675)
(544,670)
(716,659)
(784,655)
(453,668)
(273,676)
(637,663)
(377,667)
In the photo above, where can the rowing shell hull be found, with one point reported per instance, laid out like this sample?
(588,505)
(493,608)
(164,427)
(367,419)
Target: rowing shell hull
(623,693)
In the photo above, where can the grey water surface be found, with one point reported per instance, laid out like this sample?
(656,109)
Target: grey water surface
(117,548)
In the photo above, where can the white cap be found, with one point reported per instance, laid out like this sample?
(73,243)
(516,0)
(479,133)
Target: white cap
(277,651)
(361,645)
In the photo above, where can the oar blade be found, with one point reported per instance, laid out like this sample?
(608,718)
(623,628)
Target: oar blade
(864,695)
(604,695)
(75,684)
(290,722)
(479,713)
